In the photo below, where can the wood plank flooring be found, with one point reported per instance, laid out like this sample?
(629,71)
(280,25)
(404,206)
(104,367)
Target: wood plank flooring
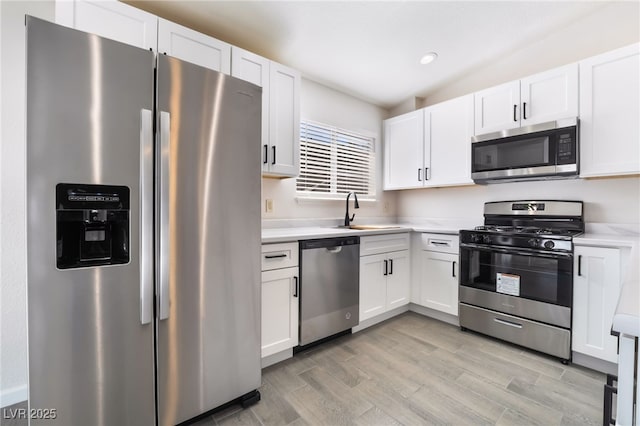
(413,370)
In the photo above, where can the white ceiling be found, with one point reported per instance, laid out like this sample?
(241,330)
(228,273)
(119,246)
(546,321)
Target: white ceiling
(371,49)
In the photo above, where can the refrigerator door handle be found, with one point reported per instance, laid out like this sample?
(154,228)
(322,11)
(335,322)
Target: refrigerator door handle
(146,216)
(165,151)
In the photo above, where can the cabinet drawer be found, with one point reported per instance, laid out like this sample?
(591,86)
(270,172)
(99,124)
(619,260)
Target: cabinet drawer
(376,244)
(282,255)
(440,242)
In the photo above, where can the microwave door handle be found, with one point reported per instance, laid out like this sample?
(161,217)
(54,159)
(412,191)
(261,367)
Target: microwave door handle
(146,216)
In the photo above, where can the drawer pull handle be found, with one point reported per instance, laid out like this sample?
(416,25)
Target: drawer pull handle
(510,324)
(580,265)
(274,256)
(440,243)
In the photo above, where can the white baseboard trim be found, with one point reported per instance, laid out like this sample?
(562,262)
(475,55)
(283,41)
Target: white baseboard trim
(379,318)
(13,395)
(277,357)
(594,363)
(432,313)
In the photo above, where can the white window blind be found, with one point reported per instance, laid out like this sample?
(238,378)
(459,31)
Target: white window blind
(334,162)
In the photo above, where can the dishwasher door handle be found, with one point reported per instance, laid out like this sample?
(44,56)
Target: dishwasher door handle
(334,249)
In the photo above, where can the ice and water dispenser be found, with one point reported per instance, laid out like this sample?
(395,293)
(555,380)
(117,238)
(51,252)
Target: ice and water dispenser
(92,225)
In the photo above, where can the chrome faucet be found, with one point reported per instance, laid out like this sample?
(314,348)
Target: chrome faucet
(348,220)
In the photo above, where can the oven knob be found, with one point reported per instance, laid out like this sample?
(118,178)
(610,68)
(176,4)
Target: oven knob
(534,242)
(486,239)
(549,244)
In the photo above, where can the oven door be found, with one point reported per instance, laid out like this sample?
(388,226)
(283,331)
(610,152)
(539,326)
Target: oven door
(529,283)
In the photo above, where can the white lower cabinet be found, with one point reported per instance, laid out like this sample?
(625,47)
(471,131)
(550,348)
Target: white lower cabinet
(280,308)
(438,272)
(384,276)
(596,288)
(440,281)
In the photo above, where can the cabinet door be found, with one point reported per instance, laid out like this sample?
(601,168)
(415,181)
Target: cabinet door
(284,121)
(404,151)
(596,287)
(609,111)
(398,284)
(550,95)
(279,310)
(192,46)
(254,69)
(451,128)
(439,288)
(110,19)
(497,108)
(373,286)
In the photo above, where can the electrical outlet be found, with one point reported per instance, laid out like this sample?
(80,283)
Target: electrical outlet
(268,205)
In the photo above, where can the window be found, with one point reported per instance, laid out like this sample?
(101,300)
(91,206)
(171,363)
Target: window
(334,162)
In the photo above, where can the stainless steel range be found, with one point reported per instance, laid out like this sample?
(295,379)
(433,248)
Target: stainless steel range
(516,274)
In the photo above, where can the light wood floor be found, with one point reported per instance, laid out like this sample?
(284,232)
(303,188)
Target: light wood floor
(414,370)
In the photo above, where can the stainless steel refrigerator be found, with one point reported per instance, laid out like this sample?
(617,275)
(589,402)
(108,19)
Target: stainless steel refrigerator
(143,180)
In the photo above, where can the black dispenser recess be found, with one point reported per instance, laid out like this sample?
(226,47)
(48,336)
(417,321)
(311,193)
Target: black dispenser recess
(92,225)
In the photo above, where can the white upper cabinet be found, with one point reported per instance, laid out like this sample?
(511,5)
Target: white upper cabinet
(110,19)
(609,111)
(449,133)
(496,108)
(192,46)
(547,96)
(280,110)
(404,153)
(283,153)
(255,69)
(429,147)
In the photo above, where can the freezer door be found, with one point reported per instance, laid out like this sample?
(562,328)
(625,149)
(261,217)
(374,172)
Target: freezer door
(208,282)
(91,353)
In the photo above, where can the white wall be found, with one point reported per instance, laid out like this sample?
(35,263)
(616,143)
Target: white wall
(612,200)
(324,105)
(13,327)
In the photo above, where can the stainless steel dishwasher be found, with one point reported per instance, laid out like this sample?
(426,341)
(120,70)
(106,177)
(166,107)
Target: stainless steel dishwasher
(329,287)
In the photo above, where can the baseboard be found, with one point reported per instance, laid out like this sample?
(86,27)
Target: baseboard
(277,357)
(13,395)
(432,313)
(379,318)
(594,363)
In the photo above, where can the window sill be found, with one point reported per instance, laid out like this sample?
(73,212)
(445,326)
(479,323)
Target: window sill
(316,200)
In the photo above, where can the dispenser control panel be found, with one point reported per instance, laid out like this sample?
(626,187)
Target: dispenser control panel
(92,225)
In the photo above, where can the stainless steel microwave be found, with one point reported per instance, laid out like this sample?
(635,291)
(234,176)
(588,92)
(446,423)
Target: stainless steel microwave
(542,151)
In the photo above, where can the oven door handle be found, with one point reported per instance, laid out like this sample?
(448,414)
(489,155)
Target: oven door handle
(520,252)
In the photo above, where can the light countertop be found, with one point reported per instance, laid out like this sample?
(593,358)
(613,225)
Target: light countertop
(606,240)
(280,235)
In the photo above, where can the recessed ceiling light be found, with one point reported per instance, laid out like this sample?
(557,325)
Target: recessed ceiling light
(428,58)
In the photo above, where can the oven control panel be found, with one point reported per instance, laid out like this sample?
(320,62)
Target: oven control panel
(516,241)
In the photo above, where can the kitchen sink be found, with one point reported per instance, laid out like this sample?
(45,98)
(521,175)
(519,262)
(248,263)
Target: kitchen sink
(367,227)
